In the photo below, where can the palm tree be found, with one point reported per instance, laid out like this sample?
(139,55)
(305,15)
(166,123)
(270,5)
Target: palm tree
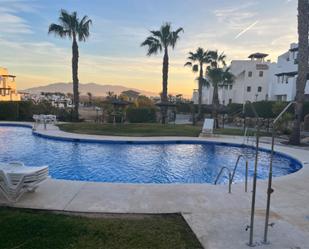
(161,40)
(70,26)
(196,61)
(89,98)
(303,27)
(218,76)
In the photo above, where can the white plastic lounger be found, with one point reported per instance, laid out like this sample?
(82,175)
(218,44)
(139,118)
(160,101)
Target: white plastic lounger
(15,179)
(11,192)
(208,126)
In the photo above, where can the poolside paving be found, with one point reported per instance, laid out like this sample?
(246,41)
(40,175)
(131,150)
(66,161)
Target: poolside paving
(219,219)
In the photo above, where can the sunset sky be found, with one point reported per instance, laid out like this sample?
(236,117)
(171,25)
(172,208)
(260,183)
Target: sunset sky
(113,55)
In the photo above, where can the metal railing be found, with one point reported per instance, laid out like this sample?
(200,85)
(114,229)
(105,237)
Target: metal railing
(232,173)
(270,175)
(251,226)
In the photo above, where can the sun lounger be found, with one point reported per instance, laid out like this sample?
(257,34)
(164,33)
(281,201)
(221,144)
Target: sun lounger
(15,179)
(208,126)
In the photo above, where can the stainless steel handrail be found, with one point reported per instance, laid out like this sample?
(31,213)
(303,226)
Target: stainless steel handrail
(232,174)
(251,226)
(230,177)
(246,173)
(269,189)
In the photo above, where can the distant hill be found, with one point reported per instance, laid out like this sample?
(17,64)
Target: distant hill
(95,89)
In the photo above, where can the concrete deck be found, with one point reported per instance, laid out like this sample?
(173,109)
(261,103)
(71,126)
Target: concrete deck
(219,219)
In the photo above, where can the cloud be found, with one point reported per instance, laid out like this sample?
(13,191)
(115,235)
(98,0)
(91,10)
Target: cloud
(235,17)
(10,20)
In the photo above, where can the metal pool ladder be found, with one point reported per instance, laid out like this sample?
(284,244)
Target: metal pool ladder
(232,173)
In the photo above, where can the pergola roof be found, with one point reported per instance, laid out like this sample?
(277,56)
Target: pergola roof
(7,75)
(168,104)
(257,55)
(287,74)
(294,49)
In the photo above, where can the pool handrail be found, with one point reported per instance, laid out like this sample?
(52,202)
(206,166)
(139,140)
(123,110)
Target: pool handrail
(232,174)
(270,175)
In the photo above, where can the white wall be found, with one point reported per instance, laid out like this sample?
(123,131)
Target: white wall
(239,93)
(285,86)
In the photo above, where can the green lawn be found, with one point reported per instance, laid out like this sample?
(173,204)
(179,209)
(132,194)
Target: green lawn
(24,229)
(143,130)
(138,130)
(238,132)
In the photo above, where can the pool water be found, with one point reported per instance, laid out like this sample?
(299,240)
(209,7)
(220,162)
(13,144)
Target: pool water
(135,163)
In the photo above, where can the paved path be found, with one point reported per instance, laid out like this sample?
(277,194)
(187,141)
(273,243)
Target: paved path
(219,219)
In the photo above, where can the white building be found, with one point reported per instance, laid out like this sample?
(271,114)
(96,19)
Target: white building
(59,100)
(252,80)
(283,85)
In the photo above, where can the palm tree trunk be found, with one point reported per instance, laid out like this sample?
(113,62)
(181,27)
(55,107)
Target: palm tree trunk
(215,105)
(75,78)
(303,27)
(164,86)
(200,86)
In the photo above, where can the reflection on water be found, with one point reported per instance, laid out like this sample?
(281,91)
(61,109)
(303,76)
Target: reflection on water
(133,163)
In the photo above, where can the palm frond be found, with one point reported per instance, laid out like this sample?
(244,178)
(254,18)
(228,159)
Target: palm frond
(154,45)
(58,30)
(67,21)
(188,64)
(174,37)
(195,68)
(83,28)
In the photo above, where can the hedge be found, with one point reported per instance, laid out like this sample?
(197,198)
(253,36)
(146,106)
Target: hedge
(24,110)
(141,115)
(263,108)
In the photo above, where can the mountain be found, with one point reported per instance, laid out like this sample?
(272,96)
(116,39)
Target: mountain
(95,89)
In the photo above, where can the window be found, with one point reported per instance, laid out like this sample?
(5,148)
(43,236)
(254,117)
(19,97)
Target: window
(259,89)
(231,87)
(248,89)
(261,73)
(266,97)
(250,74)
(286,79)
(230,101)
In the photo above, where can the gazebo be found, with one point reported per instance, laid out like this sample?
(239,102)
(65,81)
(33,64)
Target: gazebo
(118,107)
(169,106)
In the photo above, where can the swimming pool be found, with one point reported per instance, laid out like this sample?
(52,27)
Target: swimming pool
(185,162)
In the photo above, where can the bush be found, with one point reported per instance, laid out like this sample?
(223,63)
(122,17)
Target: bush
(141,115)
(9,111)
(184,107)
(265,109)
(24,110)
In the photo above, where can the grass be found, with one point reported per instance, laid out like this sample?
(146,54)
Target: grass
(151,129)
(138,130)
(239,132)
(24,229)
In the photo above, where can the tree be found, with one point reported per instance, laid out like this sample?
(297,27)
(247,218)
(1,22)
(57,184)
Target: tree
(111,95)
(196,61)
(302,58)
(89,98)
(70,26)
(161,40)
(144,101)
(217,75)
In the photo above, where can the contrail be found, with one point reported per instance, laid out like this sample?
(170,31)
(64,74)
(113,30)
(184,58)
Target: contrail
(245,30)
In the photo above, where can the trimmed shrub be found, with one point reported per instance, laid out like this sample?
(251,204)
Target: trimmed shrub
(141,115)
(24,110)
